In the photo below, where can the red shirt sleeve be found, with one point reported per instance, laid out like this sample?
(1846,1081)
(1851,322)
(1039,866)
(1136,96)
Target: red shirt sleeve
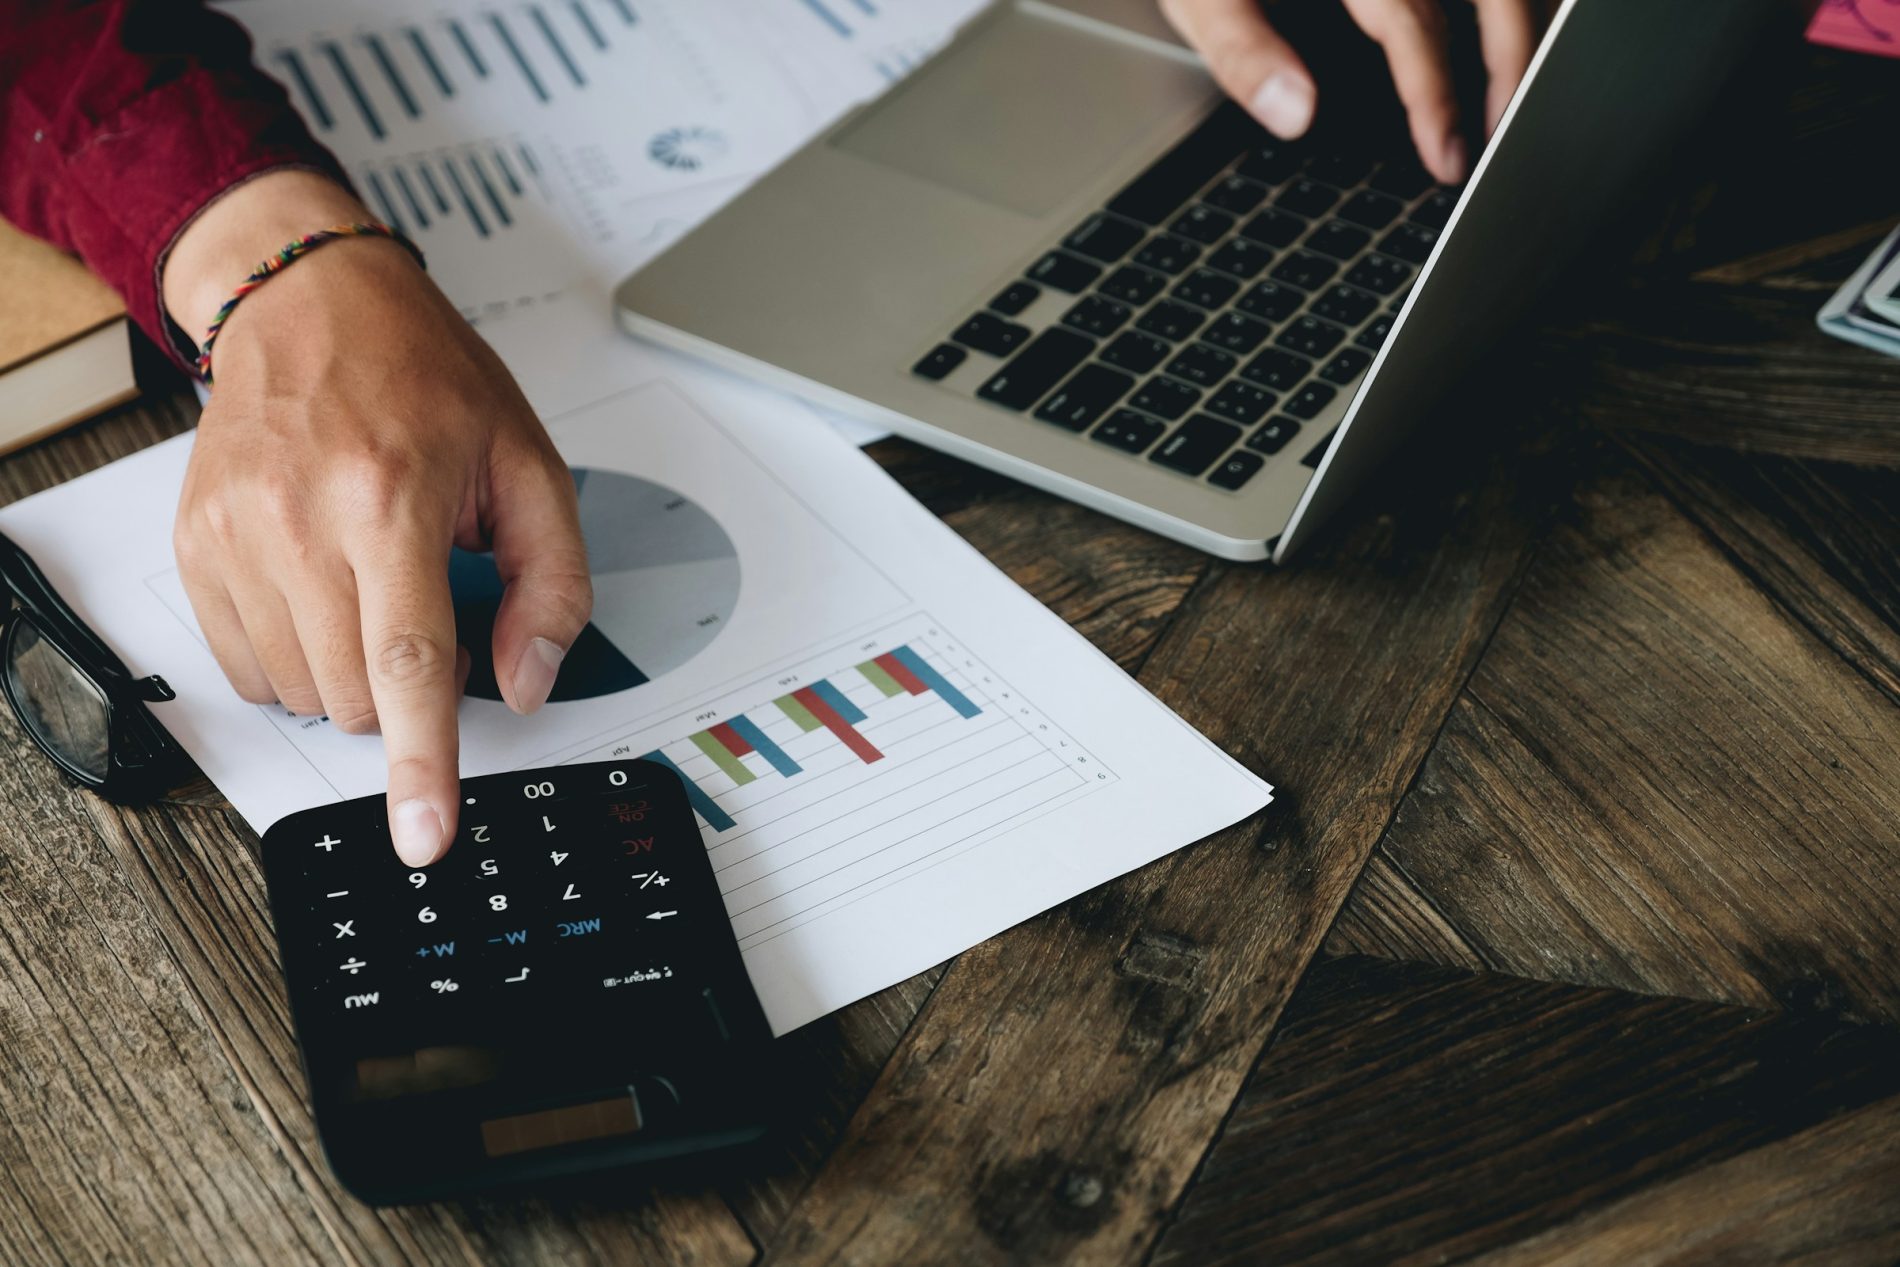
(121,119)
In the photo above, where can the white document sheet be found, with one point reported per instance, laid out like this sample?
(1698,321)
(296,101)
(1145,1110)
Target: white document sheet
(933,755)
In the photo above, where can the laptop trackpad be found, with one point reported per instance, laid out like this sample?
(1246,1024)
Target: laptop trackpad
(1026,112)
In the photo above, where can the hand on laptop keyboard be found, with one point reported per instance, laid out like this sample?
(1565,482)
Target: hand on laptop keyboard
(1264,73)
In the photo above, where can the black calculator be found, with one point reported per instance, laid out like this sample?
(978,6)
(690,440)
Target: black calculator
(561,991)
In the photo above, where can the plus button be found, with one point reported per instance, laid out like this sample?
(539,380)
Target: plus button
(329,843)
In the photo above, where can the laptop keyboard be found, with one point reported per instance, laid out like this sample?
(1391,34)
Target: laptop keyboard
(1221,302)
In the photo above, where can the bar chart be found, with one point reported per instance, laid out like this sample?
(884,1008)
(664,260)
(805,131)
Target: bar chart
(828,782)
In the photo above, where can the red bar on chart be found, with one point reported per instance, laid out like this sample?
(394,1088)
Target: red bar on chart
(828,717)
(733,741)
(901,672)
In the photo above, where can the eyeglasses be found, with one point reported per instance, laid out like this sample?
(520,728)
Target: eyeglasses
(77,700)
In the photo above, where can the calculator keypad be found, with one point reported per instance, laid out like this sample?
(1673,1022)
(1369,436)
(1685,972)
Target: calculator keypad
(577,892)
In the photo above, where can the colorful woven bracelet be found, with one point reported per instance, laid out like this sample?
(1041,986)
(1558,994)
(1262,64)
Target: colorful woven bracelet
(283,259)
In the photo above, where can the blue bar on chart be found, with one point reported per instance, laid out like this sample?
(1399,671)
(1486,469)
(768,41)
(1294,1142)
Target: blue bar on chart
(409,196)
(829,18)
(839,703)
(587,23)
(935,681)
(553,38)
(468,203)
(319,109)
(521,59)
(341,64)
(708,809)
(468,49)
(426,56)
(397,84)
(777,757)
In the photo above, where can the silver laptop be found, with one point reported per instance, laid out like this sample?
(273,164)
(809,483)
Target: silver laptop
(1053,251)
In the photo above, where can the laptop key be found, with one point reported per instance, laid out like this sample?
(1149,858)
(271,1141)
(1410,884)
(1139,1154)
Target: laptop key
(1202,223)
(1346,365)
(1133,285)
(1129,431)
(1236,332)
(1169,254)
(1309,336)
(1014,298)
(1338,239)
(1085,397)
(987,332)
(1305,270)
(1271,162)
(1379,273)
(1345,304)
(1065,272)
(1242,257)
(1195,444)
(1027,378)
(1270,301)
(1307,197)
(1337,167)
(1317,454)
(1201,365)
(1237,194)
(1435,210)
(1241,402)
(1205,288)
(1275,228)
(1095,315)
(1104,237)
(1164,398)
(1273,437)
(1373,336)
(1179,174)
(1404,179)
(939,361)
(1137,352)
(1309,400)
(1235,470)
(1410,242)
(1276,370)
(1371,209)
(1171,321)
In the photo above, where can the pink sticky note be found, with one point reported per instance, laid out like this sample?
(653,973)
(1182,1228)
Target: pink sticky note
(1864,26)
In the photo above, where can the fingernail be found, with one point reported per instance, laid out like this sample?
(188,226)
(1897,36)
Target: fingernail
(1284,104)
(534,674)
(416,829)
(1457,159)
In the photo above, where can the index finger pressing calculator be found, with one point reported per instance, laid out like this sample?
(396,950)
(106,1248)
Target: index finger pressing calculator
(561,991)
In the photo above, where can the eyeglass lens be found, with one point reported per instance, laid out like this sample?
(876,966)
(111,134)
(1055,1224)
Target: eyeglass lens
(58,702)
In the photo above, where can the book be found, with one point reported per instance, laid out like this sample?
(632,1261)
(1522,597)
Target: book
(65,342)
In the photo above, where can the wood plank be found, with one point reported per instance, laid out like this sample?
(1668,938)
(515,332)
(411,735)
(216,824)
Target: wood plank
(1825,1196)
(196,870)
(1053,1097)
(123,1135)
(1415,1114)
(1662,780)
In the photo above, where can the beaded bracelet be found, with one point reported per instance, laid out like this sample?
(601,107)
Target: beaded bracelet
(283,259)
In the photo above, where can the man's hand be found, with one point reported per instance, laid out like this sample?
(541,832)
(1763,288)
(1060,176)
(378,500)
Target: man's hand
(1260,70)
(359,427)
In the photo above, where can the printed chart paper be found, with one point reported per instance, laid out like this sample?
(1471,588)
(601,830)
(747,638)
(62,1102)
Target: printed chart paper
(893,751)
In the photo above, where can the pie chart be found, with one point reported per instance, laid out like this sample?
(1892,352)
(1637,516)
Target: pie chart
(666,578)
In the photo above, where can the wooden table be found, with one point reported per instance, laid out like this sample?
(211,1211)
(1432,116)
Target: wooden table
(1574,935)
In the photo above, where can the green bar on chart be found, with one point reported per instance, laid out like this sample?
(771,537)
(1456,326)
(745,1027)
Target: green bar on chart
(874,674)
(797,712)
(736,769)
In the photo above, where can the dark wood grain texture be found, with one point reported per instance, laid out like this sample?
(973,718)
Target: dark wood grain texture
(1662,779)
(1408,1114)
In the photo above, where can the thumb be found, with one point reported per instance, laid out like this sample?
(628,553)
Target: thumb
(1250,60)
(547,596)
